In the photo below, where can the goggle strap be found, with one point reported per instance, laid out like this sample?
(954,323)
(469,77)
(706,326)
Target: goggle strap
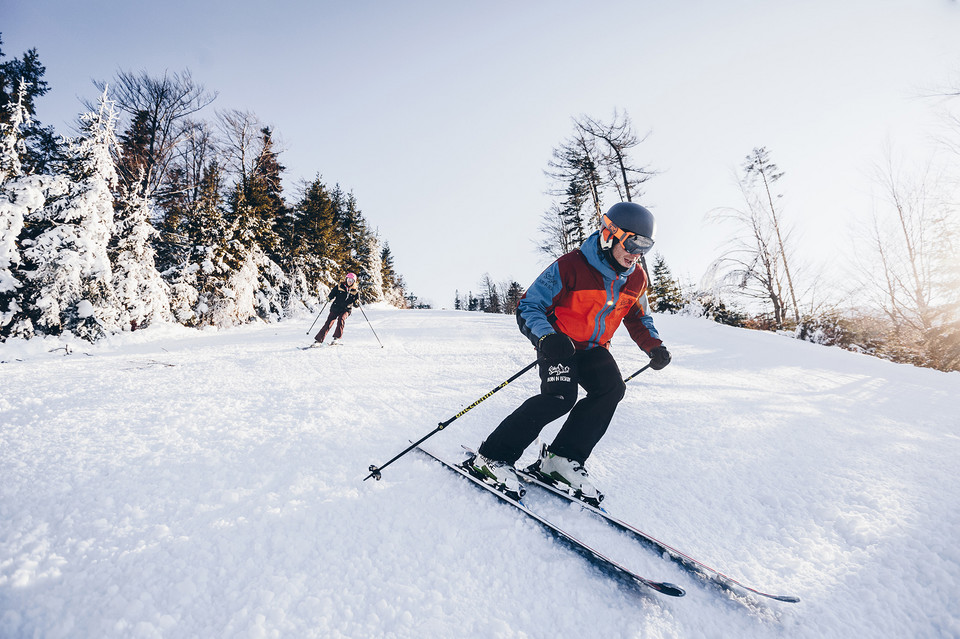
(621,235)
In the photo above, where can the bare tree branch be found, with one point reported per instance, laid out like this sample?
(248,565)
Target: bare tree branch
(157,108)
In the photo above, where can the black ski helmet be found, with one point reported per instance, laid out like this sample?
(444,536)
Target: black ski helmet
(633,225)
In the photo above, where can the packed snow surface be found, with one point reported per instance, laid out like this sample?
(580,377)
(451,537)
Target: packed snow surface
(179,483)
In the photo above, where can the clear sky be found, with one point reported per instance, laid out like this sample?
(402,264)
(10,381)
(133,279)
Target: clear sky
(440,116)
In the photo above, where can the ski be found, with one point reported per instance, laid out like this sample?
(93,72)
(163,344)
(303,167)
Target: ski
(605,564)
(319,345)
(531,476)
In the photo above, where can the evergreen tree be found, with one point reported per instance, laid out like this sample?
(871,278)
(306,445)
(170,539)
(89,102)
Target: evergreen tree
(133,161)
(714,308)
(255,283)
(514,293)
(180,199)
(370,275)
(263,196)
(313,241)
(353,230)
(21,76)
(19,196)
(142,294)
(315,251)
(257,286)
(67,261)
(11,138)
(11,224)
(397,296)
(198,283)
(21,82)
(664,293)
(388,271)
(393,286)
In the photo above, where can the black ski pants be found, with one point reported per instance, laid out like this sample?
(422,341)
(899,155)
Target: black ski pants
(597,372)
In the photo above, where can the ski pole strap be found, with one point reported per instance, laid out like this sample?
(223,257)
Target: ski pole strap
(637,373)
(375,470)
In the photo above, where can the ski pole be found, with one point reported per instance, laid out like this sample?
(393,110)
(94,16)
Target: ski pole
(637,373)
(371,326)
(375,470)
(310,330)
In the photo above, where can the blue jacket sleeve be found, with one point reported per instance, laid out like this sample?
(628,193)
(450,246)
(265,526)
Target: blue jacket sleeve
(535,307)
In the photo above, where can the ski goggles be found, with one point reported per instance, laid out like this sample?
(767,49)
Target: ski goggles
(631,242)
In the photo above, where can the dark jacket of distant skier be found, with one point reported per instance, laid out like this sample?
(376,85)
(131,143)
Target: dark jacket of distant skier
(343,298)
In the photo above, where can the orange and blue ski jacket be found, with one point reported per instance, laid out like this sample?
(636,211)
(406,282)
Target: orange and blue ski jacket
(583,297)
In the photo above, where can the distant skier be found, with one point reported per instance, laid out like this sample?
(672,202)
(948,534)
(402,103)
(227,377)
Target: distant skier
(344,298)
(570,313)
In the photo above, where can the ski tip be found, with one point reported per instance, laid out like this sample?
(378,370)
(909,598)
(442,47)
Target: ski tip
(785,598)
(671,590)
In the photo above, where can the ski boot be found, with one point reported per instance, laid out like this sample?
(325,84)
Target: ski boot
(569,474)
(501,475)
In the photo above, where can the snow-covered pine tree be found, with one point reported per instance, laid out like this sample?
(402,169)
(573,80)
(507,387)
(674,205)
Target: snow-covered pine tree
(21,82)
(16,199)
(229,300)
(370,275)
(353,230)
(12,208)
(664,295)
(388,272)
(12,144)
(316,243)
(66,260)
(197,283)
(393,287)
(263,196)
(141,292)
(273,287)
(257,284)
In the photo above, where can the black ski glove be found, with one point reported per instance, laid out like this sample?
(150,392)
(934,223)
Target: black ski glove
(659,357)
(555,347)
